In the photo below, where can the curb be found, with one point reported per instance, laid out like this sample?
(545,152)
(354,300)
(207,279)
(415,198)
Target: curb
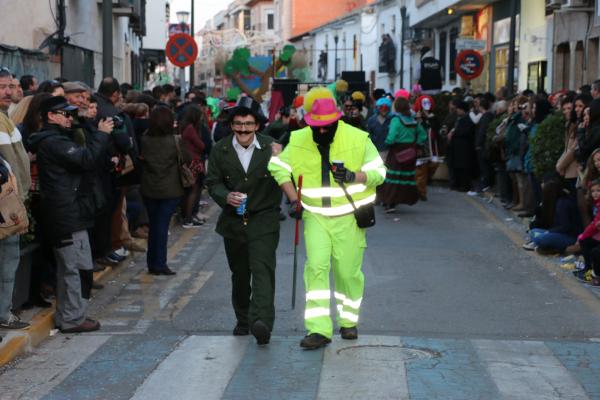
(19,342)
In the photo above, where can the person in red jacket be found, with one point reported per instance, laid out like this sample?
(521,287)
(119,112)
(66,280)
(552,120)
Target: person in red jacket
(589,240)
(190,134)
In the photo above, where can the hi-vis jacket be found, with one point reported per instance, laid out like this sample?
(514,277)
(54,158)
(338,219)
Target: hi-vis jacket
(301,157)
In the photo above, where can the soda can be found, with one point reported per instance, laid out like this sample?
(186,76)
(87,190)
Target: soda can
(241,209)
(337,164)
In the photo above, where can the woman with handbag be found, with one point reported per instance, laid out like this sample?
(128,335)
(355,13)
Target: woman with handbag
(404,138)
(190,126)
(162,187)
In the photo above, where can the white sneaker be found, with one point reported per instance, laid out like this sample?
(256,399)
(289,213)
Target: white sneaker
(472,193)
(123,252)
(529,246)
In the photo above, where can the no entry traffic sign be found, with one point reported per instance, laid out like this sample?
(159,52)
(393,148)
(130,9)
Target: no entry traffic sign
(469,64)
(182,50)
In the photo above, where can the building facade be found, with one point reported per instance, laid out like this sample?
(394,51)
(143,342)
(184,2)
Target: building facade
(64,38)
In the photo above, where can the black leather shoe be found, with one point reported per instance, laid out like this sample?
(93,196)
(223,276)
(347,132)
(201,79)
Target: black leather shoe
(314,341)
(349,333)
(261,332)
(241,330)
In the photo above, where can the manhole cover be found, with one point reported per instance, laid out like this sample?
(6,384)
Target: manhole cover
(388,353)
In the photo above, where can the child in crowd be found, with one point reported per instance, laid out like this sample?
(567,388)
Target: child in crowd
(589,240)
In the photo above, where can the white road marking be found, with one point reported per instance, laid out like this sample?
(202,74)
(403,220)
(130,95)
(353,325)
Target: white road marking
(527,371)
(200,367)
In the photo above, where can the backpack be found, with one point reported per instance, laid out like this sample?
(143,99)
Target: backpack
(13,214)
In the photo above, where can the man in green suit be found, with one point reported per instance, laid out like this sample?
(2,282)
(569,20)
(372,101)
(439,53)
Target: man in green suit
(250,227)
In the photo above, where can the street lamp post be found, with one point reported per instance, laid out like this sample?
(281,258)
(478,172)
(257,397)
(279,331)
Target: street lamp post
(182,17)
(335,68)
(192,67)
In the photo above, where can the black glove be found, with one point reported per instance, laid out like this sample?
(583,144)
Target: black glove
(343,175)
(293,210)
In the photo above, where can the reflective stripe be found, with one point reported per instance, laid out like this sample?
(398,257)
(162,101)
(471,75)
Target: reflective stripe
(381,171)
(371,165)
(339,210)
(349,316)
(375,165)
(316,312)
(318,295)
(347,302)
(317,193)
(277,161)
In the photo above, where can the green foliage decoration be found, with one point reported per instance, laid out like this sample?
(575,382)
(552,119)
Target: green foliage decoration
(548,144)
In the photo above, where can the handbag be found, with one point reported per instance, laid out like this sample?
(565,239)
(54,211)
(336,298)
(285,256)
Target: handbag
(364,215)
(409,154)
(186,175)
(13,214)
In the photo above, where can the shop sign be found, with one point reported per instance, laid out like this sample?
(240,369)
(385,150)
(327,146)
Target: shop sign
(470,44)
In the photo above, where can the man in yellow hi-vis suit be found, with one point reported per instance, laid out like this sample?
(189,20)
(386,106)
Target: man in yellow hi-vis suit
(330,228)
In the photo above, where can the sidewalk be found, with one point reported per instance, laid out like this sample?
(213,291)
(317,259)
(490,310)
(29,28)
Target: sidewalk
(19,342)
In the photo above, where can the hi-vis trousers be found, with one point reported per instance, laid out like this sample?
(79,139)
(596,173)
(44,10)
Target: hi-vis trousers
(337,242)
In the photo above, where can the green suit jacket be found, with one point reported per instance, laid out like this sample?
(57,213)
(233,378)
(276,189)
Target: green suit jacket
(226,174)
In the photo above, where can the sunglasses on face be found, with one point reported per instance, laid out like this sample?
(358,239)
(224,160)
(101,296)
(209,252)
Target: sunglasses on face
(64,113)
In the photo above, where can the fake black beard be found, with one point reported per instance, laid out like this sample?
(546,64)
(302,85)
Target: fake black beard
(324,139)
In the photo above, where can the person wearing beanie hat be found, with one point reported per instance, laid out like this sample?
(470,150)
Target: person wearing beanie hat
(378,124)
(332,157)
(402,93)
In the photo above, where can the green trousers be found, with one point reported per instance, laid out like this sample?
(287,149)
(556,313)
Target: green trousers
(339,243)
(252,266)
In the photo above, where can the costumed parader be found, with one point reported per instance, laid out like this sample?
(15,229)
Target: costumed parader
(341,168)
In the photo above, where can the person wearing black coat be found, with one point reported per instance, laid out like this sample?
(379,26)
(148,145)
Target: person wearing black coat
(461,148)
(68,205)
(480,137)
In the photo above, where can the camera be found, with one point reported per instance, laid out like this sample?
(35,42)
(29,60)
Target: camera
(118,122)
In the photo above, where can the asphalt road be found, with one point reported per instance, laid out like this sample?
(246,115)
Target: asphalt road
(453,309)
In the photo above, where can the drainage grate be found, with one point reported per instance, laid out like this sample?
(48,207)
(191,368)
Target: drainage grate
(388,353)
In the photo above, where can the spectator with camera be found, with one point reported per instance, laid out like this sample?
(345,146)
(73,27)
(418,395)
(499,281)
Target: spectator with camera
(66,170)
(123,166)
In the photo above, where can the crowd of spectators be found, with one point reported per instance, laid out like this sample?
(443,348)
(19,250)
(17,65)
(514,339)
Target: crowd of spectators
(98,173)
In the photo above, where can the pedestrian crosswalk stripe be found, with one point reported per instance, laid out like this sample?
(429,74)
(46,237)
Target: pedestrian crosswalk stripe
(527,371)
(342,377)
(280,370)
(200,368)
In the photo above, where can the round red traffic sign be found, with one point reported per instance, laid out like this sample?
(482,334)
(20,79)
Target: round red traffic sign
(182,50)
(469,64)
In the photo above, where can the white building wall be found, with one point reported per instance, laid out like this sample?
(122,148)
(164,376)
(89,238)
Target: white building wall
(389,22)
(157,25)
(533,37)
(369,45)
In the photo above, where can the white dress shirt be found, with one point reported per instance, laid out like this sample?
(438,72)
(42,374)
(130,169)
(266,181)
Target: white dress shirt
(245,154)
